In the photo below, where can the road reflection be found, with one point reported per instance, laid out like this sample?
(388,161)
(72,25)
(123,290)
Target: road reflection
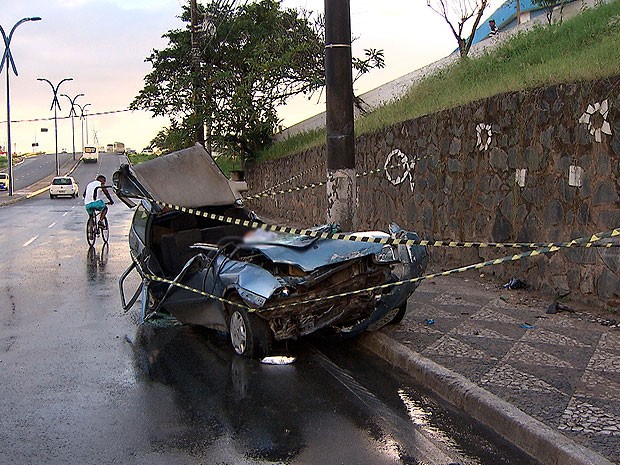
(96,261)
(221,395)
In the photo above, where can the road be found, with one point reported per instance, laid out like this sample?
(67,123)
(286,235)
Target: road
(80,382)
(34,168)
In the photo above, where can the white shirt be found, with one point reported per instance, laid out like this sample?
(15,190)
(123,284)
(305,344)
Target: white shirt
(90,191)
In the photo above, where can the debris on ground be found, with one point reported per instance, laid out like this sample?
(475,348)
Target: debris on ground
(527,326)
(515,283)
(556,307)
(429,321)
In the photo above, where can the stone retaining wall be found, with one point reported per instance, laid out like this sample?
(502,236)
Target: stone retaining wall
(532,166)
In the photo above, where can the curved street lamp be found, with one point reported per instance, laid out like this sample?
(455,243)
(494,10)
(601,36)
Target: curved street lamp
(72,113)
(55,106)
(82,118)
(8,57)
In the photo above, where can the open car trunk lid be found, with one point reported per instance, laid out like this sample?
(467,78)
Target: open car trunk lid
(187,178)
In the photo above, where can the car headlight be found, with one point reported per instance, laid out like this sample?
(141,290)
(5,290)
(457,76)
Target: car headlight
(387,255)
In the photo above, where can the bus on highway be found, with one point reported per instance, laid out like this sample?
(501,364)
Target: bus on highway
(119,147)
(90,154)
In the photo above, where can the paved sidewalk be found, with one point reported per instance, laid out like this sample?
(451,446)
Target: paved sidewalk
(562,369)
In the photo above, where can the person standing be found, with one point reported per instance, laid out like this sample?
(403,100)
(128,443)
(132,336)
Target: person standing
(492,27)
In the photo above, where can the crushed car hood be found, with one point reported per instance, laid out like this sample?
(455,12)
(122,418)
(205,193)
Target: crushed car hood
(188,178)
(310,253)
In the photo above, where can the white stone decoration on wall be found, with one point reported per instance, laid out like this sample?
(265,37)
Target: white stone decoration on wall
(595,117)
(575,176)
(484,136)
(520,175)
(399,163)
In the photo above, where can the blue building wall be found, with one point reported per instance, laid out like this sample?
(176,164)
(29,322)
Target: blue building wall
(506,17)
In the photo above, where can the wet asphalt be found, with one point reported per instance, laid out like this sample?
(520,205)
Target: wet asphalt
(81,382)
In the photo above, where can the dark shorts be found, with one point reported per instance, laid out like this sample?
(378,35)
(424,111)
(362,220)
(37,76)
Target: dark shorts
(97,205)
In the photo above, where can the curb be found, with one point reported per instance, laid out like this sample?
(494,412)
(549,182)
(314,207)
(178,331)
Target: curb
(533,437)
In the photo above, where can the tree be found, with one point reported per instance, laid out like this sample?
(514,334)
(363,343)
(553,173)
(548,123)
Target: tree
(457,13)
(253,58)
(549,6)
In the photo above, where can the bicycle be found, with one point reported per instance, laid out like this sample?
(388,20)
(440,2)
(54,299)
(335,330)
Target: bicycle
(96,228)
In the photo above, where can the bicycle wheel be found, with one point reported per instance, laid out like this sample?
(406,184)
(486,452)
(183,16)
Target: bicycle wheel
(105,231)
(91,231)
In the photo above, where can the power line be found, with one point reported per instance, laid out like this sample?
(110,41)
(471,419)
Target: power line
(67,117)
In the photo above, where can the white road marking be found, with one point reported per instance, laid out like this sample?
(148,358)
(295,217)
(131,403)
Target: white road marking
(26,244)
(65,213)
(51,225)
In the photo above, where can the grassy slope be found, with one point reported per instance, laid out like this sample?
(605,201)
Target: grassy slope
(582,48)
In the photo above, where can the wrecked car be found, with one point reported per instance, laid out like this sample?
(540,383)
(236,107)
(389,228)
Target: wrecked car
(257,285)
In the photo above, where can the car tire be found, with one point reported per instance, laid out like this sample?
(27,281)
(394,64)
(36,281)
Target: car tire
(250,335)
(398,317)
(51,196)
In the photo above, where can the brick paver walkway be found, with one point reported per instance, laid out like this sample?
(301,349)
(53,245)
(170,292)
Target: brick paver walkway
(562,369)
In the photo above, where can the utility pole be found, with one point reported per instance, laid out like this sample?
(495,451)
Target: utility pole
(200,131)
(341,182)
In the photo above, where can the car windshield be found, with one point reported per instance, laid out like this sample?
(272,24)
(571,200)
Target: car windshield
(62,182)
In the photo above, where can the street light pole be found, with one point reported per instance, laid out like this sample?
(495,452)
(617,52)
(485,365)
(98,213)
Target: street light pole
(56,107)
(82,108)
(8,57)
(72,114)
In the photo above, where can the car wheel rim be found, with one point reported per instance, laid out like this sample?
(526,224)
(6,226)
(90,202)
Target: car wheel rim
(238,334)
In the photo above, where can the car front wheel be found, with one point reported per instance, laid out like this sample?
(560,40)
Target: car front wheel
(249,334)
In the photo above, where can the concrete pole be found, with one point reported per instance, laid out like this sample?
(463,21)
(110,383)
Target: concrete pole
(341,182)
(200,131)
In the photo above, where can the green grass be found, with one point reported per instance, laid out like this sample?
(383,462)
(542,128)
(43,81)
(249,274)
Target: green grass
(137,158)
(227,164)
(584,47)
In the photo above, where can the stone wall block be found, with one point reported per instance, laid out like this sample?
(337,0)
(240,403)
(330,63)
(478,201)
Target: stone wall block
(554,213)
(607,218)
(611,259)
(608,287)
(498,159)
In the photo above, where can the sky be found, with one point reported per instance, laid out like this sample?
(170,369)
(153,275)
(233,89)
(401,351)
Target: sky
(102,45)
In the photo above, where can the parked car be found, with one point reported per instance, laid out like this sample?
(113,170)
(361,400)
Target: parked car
(4,181)
(64,185)
(258,286)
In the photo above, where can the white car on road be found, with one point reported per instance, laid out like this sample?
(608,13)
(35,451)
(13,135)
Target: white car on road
(64,185)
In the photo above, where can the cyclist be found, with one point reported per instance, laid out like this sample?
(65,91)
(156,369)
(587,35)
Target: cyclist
(93,198)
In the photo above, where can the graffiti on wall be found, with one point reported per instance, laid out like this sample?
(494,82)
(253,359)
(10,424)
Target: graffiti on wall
(595,117)
(399,168)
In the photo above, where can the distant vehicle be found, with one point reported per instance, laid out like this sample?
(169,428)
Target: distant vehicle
(90,154)
(63,151)
(64,185)
(131,151)
(4,181)
(119,147)
(147,150)
(109,148)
